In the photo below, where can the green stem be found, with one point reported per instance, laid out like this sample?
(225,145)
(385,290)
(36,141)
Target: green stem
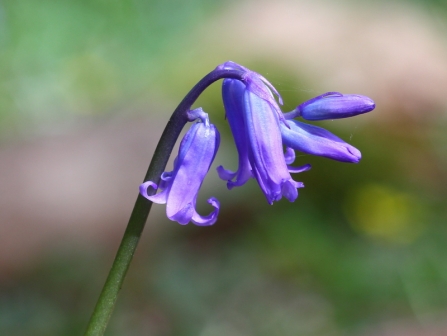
(107,299)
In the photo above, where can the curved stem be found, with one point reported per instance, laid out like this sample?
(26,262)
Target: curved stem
(107,299)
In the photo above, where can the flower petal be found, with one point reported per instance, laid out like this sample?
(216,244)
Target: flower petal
(184,215)
(289,190)
(233,95)
(225,174)
(289,155)
(159,198)
(166,179)
(300,169)
(211,218)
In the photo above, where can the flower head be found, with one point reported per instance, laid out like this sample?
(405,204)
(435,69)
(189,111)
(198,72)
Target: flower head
(265,138)
(181,186)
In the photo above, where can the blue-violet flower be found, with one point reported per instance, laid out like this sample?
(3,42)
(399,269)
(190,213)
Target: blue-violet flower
(181,186)
(254,118)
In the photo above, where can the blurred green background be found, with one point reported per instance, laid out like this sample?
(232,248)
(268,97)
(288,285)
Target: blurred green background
(85,90)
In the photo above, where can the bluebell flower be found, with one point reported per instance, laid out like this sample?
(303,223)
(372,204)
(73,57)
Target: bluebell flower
(254,118)
(333,105)
(315,140)
(180,187)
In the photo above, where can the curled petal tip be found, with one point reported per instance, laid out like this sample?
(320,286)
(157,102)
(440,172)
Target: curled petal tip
(144,186)
(225,174)
(295,170)
(211,218)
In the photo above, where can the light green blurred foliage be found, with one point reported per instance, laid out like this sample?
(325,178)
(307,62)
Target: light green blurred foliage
(366,280)
(64,58)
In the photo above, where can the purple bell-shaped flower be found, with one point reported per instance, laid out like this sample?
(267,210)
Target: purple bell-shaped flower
(180,187)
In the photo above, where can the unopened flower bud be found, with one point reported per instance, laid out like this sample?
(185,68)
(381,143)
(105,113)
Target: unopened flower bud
(334,105)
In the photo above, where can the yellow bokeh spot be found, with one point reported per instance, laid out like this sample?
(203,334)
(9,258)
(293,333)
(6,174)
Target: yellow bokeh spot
(384,213)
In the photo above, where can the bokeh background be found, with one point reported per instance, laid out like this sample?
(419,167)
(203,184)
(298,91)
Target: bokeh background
(86,88)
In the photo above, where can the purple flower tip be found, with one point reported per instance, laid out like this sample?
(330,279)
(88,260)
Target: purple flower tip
(181,186)
(334,105)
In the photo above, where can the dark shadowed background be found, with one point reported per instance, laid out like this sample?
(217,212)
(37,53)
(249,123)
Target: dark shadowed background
(86,88)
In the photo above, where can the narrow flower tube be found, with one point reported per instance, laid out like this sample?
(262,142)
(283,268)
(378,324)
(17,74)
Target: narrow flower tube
(334,105)
(254,122)
(315,140)
(181,186)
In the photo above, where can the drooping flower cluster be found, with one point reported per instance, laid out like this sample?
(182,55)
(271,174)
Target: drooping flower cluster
(265,138)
